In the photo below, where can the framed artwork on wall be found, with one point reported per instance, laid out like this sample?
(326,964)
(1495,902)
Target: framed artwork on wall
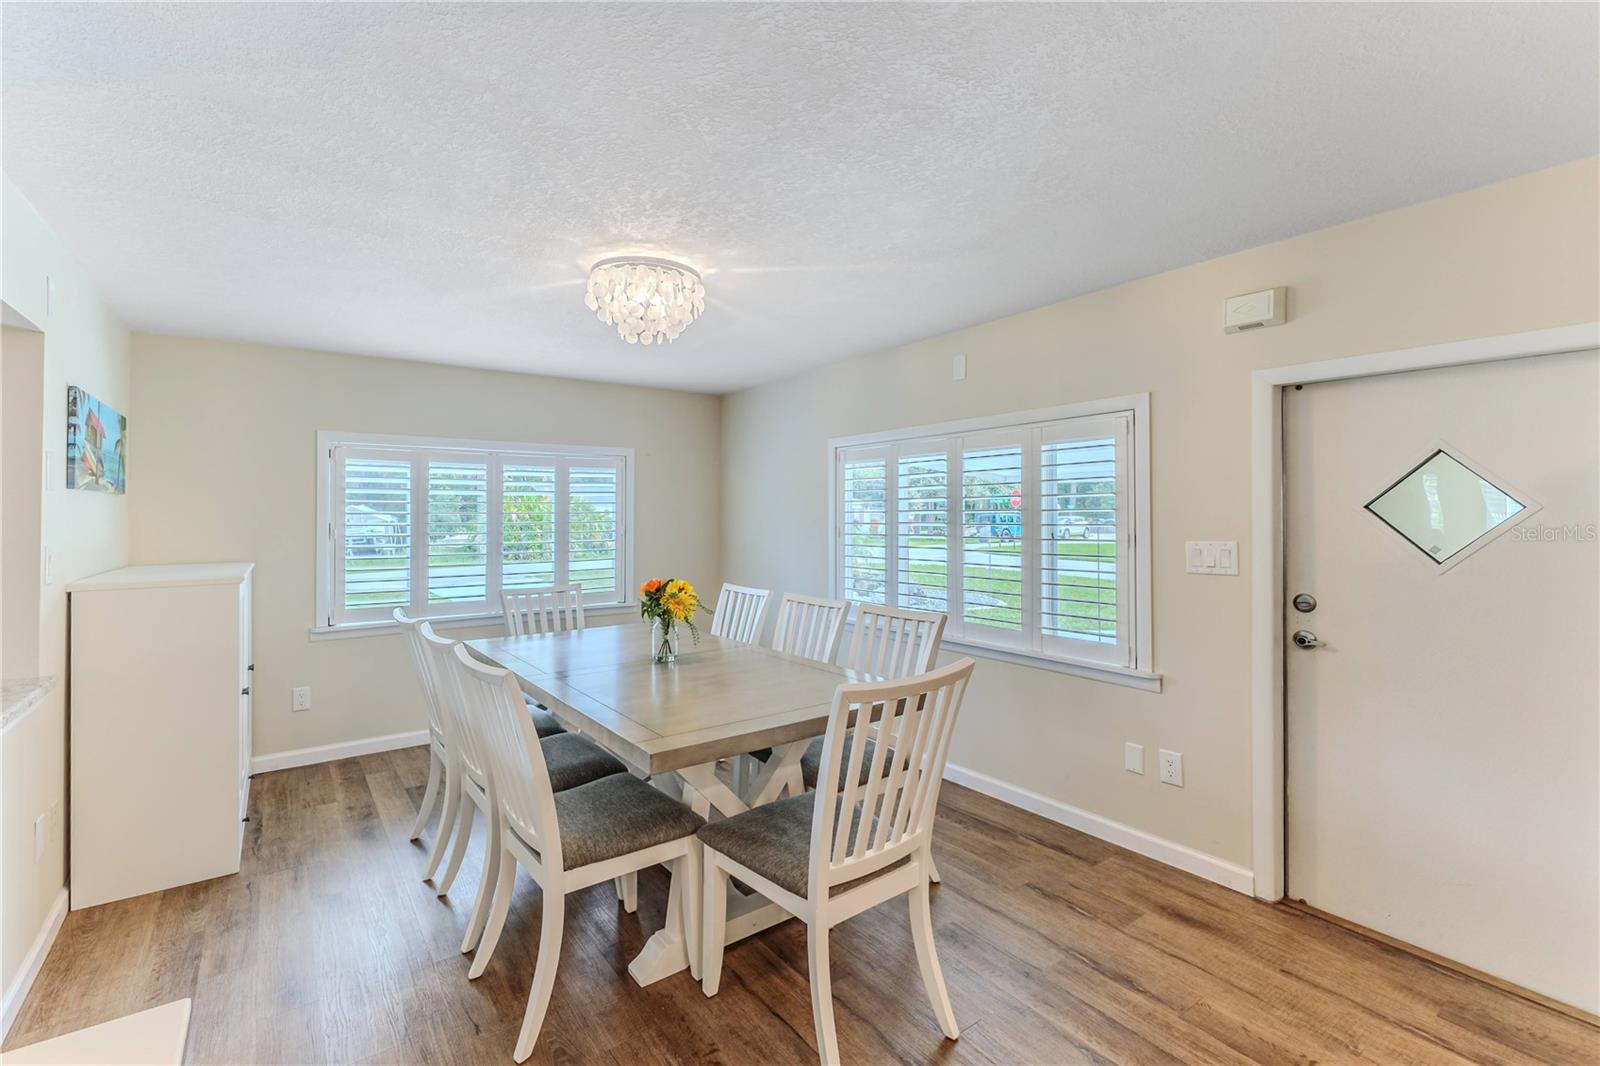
(96,444)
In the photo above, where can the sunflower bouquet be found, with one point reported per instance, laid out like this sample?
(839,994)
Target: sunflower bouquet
(668,603)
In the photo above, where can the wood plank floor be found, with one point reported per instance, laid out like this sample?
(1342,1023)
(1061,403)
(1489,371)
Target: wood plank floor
(1058,948)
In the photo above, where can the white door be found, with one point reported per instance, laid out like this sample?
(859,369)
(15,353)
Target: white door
(1442,741)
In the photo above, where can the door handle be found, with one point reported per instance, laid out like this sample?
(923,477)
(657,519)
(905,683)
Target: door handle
(1304,638)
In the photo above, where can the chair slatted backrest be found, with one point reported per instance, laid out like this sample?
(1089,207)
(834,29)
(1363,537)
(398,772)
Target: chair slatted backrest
(739,612)
(810,627)
(437,651)
(430,697)
(898,795)
(531,612)
(517,768)
(891,643)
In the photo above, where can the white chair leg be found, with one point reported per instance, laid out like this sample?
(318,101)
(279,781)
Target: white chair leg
(689,867)
(458,850)
(933,871)
(628,891)
(713,922)
(928,959)
(822,994)
(447,819)
(544,971)
(486,883)
(503,887)
(435,772)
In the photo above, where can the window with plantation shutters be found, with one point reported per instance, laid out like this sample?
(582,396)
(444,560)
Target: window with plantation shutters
(442,528)
(1022,530)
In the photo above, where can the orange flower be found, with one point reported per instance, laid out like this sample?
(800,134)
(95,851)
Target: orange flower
(651,586)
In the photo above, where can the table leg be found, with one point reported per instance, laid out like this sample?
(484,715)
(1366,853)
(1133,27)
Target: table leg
(667,951)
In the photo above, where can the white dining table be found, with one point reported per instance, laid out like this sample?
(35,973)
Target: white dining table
(672,722)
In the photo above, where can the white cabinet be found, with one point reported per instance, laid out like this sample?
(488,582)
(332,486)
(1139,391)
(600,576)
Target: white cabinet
(159,704)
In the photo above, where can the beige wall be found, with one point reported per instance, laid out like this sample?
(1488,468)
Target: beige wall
(86,532)
(1515,256)
(227,470)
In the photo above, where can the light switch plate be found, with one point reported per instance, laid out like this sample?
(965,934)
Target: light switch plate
(1219,557)
(1133,757)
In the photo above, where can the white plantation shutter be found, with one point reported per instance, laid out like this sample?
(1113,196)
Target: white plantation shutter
(993,535)
(442,530)
(1083,537)
(922,526)
(458,532)
(374,564)
(1022,535)
(592,528)
(527,526)
(864,521)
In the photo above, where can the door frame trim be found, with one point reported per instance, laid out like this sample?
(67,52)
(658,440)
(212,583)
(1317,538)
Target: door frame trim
(1266,534)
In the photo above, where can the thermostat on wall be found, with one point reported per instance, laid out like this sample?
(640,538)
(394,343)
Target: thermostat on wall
(1255,309)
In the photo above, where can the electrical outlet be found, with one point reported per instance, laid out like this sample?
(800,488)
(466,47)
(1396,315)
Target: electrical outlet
(1133,757)
(1172,767)
(41,835)
(302,698)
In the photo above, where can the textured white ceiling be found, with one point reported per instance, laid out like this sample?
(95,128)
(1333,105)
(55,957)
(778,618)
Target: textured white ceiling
(432,181)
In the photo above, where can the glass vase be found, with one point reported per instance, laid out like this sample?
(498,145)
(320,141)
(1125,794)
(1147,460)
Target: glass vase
(663,641)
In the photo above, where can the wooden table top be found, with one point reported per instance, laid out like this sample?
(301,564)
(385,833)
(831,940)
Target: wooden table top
(721,698)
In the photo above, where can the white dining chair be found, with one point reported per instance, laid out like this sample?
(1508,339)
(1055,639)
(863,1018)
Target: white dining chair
(889,642)
(537,611)
(810,627)
(739,612)
(857,841)
(572,761)
(438,751)
(568,840)
(530,612)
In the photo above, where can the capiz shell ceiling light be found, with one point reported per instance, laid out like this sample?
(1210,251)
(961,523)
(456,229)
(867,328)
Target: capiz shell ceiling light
(649,300)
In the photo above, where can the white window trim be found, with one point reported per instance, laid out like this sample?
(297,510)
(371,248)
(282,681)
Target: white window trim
(322,626)
(1141,674)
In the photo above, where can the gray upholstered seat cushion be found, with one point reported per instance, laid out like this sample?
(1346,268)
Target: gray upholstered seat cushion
(573,760)
(811,762)
(544,723)
(617,815)
(774,840)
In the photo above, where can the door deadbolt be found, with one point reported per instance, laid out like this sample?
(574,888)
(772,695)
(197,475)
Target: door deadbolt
(1305,603)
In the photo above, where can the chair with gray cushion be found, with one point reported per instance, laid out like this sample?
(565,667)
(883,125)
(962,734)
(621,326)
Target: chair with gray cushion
(861,838)
(438,743)
(544,723)
(612,827)
(573,761)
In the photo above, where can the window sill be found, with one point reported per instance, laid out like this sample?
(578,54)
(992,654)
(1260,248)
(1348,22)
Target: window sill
(378,628)
(1142,680)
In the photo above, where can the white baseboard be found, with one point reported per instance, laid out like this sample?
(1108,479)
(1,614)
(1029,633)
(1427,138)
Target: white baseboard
(1225,873)
(283,760)
(32,962)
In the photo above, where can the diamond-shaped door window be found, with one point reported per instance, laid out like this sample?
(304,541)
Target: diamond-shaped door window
(1442,506)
